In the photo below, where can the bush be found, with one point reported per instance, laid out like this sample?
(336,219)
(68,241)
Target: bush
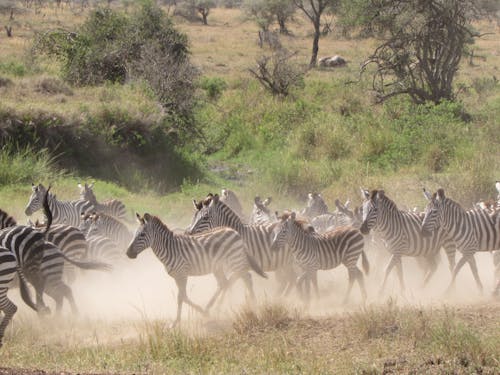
(213,86)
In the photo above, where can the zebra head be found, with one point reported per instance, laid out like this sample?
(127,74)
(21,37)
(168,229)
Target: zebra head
(315,205)
(201,219)
(142,237)
(261,214)
(370,211)
(281,231)
(433,212)
(86,222)
(86,192)
(36,199)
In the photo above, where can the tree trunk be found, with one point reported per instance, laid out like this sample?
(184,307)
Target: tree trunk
(315,49)
(8,29)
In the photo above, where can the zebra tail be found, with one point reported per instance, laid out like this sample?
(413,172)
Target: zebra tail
(255,266)
(25,291)
(88,265)
(46,209)
(365,263)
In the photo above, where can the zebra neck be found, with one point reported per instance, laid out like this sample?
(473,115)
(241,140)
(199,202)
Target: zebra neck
(297,239)
(390,221)
(162,239)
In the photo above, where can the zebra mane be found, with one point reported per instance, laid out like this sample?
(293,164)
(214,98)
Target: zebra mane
(301,223)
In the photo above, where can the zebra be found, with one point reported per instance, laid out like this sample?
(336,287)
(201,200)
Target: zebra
(71,241)
(261,214)
(496,264)
(63,212)
(473,230)
(106,225)
(230,199)
(401,232)
(315,206)
(112,207)
(104,249)
(313,251)
(341,217)
(9,267)
(220,251)
(6,220)
(213,213)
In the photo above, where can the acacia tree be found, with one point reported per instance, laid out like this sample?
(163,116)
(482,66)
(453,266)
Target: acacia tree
(314,9)
(423,45)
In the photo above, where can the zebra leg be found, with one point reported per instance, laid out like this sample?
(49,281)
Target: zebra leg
(361,281)
(9,309)
(431,269)
(473,268)
(392,262)
(182,297)
(459,265)
(222,284)
(59,292)
(38,281)
(399,272)
(315,284)
(247,279)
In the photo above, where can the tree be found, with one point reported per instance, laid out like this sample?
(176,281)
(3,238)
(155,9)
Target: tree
(189,8)
(424,42)
(265,12)
(278,73)
(314,9)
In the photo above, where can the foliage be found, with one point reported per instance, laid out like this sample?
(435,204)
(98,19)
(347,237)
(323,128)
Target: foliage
(278,73)
(421,53)
(266,12)
(111,46)
(213,86)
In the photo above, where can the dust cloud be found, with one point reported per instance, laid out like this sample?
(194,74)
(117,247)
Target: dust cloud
(139,290)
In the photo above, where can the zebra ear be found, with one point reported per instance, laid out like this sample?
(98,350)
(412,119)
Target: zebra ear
(427,195)
(293,215)
(215,198)
(267,201)
(365,194)
(139,218)
(147,217)
(257,201)
(380,194)
(197,205)
(440,193)
(91,185)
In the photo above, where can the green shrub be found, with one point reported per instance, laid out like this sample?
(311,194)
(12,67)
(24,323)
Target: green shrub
(14,68)
(213,86)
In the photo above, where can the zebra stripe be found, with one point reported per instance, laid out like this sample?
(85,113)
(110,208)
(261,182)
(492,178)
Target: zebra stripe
(112,207)
(472,231)
(401,231)
(63,212)
(231,200)
(102,248)
(6,220)
(261,214)
(220,252)
(258,238)
(313,251)
(315,206)
(8,270)
(106,225)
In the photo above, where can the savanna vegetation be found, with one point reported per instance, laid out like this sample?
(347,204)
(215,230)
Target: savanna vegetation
(162,101)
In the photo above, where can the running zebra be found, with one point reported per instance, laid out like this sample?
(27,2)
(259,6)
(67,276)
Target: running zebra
(71,241)
(8,269)
(315,206)
(214,213)
(112,207)
(472,231)
(230,199)
(313,251)
(261,214)
(401,232)
(62,212)
(106,225)
(341,217)
(220,252)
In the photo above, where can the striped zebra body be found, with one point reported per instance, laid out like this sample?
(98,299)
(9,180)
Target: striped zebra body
(327,222)
(402,234)
(8,269)
(102,248)
(496,264)
(68,213)
(112,207)
(231,200)
(220,251)
(108,226)
(214,213)
(472,231)
(313,251)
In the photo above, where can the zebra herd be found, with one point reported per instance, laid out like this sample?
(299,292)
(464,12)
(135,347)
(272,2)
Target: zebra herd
(293,245)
